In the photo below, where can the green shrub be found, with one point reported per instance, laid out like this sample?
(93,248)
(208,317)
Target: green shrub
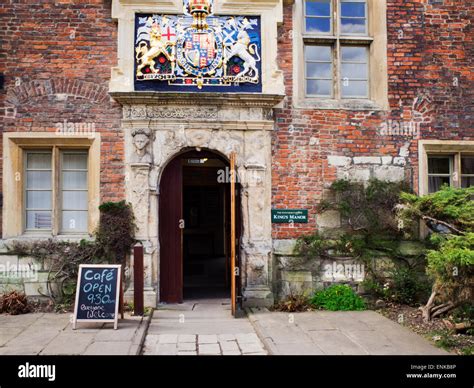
(116,232)
(312,245)
(407,285)
(452,205)
(452,266)
(338,298)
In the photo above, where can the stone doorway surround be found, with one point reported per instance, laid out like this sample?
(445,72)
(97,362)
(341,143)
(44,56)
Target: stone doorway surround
(158,126)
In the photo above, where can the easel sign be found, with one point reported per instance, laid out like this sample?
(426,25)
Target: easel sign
(98,293)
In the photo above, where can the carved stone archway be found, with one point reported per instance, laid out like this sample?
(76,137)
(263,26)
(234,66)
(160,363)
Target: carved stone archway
(240,124)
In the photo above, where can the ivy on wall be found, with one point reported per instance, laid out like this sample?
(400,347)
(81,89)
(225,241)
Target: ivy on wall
(113,240)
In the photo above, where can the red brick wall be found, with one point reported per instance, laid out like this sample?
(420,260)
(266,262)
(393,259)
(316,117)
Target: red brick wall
(42,56)
(434,47)
(53,48)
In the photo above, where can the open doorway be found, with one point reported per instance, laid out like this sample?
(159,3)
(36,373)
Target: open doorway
(204,236)
(195,225)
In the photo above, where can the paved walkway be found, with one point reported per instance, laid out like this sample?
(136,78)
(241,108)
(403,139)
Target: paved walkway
(206,327)
(52,334)
(335,333)
(203,327)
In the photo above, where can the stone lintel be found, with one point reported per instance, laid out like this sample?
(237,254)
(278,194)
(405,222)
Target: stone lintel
(193,99)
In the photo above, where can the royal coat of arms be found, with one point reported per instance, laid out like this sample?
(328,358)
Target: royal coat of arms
(197,50)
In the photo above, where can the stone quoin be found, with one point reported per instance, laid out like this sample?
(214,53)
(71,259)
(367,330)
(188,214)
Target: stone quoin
(148,101)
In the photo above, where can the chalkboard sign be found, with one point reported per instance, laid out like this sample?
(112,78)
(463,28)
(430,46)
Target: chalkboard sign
(97,294)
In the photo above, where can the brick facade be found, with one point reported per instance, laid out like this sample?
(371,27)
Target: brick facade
(430,61)
(57,56)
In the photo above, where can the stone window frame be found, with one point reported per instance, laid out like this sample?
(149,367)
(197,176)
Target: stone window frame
(376,41)
(14,148)
(453,148)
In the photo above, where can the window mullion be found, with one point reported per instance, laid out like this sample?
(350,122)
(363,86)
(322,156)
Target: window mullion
(457,170)
(56,190)
(337,69)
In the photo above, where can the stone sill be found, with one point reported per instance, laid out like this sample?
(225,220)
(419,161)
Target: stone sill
(40,237)
(252,100)
(349,104)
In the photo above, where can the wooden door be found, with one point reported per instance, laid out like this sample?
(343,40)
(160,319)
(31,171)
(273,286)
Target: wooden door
(235,225)
(171,233)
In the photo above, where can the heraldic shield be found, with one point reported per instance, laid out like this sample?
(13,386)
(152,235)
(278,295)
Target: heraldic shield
(197,51)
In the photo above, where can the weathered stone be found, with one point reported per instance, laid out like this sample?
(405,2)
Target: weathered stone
(296,277)
(399,161)
(380,304)
(389,173)
(284,247)
(411,248)
(367,160)
(329,219)
(339,161)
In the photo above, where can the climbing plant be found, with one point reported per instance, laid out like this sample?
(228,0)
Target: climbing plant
(372,229)
(113,239)
(368,209)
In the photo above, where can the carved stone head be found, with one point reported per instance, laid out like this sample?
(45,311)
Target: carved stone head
(141,139)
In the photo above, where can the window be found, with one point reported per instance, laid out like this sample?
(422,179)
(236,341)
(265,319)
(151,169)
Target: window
(354,72)
(39,190)
(56,203)
(353,17)
(440,172)
(336,65)
(446,170)
(340,54)
(318,16)
(74,191)
(319,72)
(467,171)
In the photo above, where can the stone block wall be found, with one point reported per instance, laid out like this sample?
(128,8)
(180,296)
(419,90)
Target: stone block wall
(22,274)
(296,275)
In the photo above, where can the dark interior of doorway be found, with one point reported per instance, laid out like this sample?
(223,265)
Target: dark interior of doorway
(205,245)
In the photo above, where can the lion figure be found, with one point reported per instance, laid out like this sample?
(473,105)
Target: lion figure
(146,56)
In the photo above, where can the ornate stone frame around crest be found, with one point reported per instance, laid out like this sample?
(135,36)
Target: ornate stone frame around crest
(270,11)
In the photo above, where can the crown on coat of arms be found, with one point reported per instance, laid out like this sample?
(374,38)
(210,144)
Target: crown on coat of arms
(200,6)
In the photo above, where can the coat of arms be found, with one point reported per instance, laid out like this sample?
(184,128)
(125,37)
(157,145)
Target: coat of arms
(198,49)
